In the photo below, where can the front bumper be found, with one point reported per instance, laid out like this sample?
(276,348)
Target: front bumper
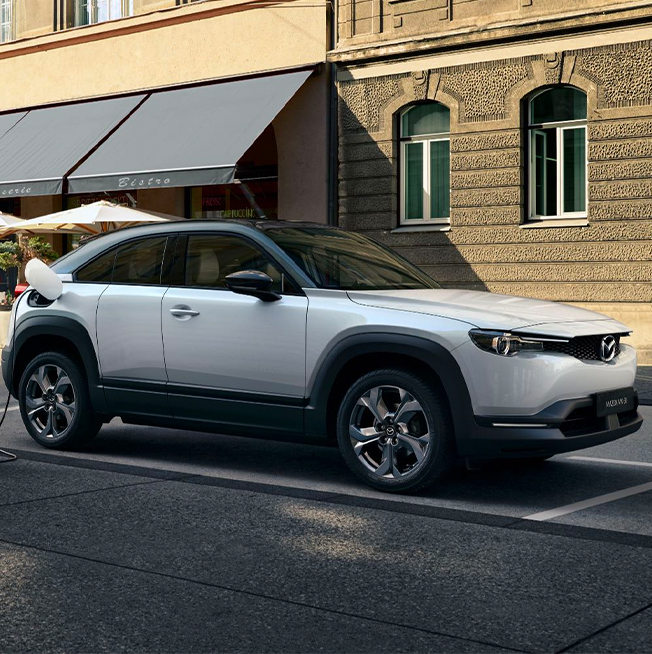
(564,426)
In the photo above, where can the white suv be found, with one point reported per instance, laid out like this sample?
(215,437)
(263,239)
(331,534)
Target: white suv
(272,328)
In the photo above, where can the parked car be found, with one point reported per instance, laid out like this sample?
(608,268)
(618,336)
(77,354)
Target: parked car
(260,328)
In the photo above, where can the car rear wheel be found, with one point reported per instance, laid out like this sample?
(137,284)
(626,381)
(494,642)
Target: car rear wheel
(55,404)
(394,431)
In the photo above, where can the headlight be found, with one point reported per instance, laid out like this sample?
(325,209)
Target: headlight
(506,344)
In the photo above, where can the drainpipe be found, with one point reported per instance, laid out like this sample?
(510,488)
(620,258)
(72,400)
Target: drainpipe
(331,72)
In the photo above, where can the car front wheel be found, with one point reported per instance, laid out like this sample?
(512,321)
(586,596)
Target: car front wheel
(394,431)
(55,404)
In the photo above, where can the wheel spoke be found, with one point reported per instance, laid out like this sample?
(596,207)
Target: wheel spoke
(48,425)
(373,400)
(68,410)
(406,408)
(387,462)
(415,444)
(62,381)
(41,379)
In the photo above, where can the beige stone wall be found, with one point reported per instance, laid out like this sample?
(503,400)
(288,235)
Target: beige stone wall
(196,42)
(608,261)
(363,21)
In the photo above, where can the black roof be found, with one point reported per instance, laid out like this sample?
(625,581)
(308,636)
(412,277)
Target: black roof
(95,245)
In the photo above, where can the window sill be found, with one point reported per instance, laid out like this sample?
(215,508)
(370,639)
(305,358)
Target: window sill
(555,222)
(403,229)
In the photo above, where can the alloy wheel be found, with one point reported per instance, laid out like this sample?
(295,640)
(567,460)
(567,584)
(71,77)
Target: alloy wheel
(50,401)
(389,432)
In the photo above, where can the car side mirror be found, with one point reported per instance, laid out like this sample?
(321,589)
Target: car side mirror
(252,282)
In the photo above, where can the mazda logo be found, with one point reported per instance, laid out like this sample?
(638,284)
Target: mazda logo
(608,348)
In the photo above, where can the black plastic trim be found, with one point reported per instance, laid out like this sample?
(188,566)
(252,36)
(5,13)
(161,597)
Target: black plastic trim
(439,359)
(43,326)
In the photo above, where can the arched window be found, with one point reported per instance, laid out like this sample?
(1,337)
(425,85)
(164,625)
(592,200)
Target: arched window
(557,137)
(425,164)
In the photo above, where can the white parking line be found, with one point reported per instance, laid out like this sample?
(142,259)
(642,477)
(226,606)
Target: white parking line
(614,461)
(587,504)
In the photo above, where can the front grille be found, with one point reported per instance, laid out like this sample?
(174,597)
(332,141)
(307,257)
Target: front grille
(582,347)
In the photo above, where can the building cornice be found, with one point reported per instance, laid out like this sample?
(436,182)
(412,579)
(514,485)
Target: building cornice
(545,34)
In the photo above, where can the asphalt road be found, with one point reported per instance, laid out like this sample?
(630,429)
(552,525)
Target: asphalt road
(155,540)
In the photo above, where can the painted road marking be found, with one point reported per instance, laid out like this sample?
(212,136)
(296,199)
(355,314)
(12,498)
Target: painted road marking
(587,504)
(614,461)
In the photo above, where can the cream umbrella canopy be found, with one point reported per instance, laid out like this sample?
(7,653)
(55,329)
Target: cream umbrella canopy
(8,220)
(93,218)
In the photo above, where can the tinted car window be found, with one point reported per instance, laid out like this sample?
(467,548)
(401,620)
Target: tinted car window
(333,258)
(140,262)
(99,270)
(211,258)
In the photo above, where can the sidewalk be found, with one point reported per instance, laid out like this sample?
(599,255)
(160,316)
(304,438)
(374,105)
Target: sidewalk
(644,384)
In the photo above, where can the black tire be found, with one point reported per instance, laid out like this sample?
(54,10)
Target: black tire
(64,432)
(440,454)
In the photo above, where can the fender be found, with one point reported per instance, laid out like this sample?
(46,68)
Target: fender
(438,358)
(73,331)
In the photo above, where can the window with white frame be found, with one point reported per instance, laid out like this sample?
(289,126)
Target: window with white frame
(88,12)
(425,164)
(557,142)
(6,20)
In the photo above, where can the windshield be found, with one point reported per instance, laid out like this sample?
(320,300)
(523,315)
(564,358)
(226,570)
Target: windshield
(333,258)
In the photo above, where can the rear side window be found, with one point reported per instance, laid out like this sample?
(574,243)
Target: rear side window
(137,262)
(99,270)
(140,262)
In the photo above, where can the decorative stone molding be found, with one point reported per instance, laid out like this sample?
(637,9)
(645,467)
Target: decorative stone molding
(482,89)
(620,170)
(620,190)
(486,160)
(420,80)
(493,141)
(622,73)
(483,197)
(486,216)
(362,102)
(553,67)
(619,129)
(620,150)
(486,179)
(629,210)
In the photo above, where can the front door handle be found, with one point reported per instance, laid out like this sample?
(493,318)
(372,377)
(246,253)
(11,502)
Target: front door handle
(182,312)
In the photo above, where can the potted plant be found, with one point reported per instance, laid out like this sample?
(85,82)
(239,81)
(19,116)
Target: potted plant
(11,256)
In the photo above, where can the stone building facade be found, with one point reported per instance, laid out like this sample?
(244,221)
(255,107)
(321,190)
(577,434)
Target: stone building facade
(486,62)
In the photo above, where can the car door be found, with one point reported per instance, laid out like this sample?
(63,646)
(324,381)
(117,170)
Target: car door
(231,359)
(130,344)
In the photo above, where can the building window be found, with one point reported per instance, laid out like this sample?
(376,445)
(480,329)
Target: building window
(425,164)
(6,20)
(557,140)
(88,12)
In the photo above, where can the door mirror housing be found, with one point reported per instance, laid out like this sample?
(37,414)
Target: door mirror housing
(252,282)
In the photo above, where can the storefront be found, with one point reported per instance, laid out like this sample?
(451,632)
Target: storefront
(187,128)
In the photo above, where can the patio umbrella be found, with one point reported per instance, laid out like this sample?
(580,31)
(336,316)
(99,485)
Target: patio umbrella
(92,218)
(7,220)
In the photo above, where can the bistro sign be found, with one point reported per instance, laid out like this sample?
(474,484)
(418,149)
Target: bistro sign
(135,182)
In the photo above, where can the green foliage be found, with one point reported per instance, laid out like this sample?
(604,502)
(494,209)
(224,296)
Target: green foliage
(11,255)
(37,248)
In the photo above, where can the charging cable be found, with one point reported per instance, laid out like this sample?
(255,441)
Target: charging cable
(5,457)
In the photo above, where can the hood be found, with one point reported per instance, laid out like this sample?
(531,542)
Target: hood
(493,311)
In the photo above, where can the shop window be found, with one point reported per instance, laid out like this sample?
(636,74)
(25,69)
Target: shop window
(6,20)
(557,142)
(425,164)
(230,200)
(88,12)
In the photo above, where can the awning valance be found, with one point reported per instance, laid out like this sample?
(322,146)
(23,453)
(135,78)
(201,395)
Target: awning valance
(41,146)
(186,137)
